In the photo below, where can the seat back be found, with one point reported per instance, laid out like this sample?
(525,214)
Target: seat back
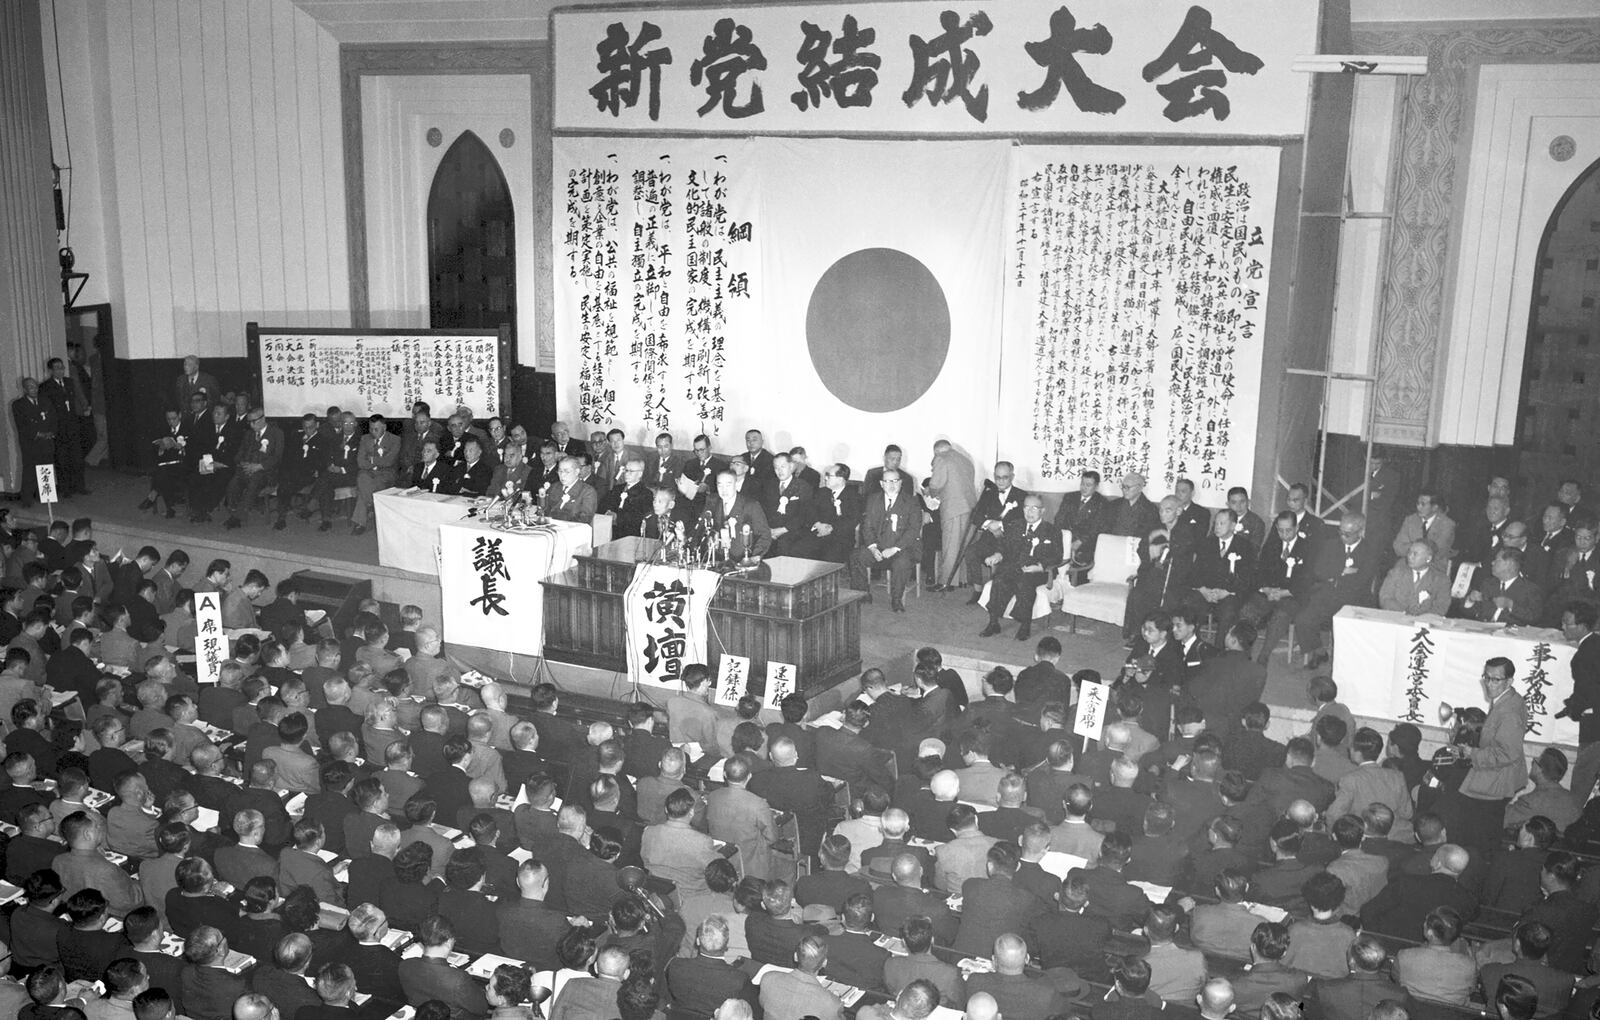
(1115,557)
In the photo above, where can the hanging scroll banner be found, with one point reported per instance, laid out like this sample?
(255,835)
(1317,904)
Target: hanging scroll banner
(1102,66)
(1135,307)
(490,582)
(665,613)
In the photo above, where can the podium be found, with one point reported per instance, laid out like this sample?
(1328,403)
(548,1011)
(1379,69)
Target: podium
(785,610)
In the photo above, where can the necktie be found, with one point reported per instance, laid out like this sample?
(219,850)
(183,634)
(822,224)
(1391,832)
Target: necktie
(1416,577)
(1349,550)
(1222,548)
(1425,525)
(1288,550)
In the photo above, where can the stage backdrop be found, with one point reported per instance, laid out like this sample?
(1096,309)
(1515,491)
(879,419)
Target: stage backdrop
(1135,294)
(847,291)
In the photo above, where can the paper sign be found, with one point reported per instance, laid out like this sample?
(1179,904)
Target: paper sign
(780,683)
(1092,701)
(211,644)
(1463,583)
(733,679)
(46,475)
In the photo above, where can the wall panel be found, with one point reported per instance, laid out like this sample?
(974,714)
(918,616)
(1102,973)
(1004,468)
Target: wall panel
(219,171)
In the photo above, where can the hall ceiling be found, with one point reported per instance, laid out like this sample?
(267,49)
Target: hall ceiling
(370,21)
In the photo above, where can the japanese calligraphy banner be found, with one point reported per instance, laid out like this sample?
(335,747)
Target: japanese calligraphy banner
(378,372)
(210,643)
(665,612)
(1422,662)
(847,291)
(1141,67)
(490,581)
(1136,294)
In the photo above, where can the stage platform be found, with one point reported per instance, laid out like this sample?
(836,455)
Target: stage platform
(888,640)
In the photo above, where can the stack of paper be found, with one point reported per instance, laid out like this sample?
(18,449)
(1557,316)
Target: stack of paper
(483,967)
(237,962)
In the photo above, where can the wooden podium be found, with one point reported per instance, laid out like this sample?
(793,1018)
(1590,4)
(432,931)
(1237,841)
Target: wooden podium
(786,610)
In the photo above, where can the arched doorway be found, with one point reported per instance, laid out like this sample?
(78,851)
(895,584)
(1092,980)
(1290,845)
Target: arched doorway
(1559,416)
(472,256)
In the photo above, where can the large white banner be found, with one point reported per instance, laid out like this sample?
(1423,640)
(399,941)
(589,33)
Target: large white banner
(1026,66)
(1422,662)
(665,613)
(489,581)
(1136,294)
(848,292)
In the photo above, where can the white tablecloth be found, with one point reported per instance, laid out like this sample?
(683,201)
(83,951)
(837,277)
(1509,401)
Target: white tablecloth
(490,581)
(408,527)
(1395,666)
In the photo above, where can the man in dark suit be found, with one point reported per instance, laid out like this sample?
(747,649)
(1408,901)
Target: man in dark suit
(849,756)
(630,500)
(1016,993)
(758,457)
(734,521)
(701,983)
(1583,704)
(37,427)
(1225,569)
(1026,559)
(1070,936)
(256,459)
(1354,997)
(303,463)
(344,451)
(854,958)
(1283,578)
(835,515)
(421,429)
(570,498)
(789,505)
(192,382)
(702,471)
(1164,579)
(801,792)
(1399,908)
(893,904)
(994,906)
(431,472)
(770,933)
(1503,594)
(891,529)
(475,470)
(1483,537)
(1084,516)
(1225,683)
(1346,574)
(73,417)
(215,443)
(998,505)
(1278,788)
(1132,513)
(664,467)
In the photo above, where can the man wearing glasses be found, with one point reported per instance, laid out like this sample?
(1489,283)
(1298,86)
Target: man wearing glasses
(256,463)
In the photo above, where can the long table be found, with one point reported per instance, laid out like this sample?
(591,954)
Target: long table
(408,527)
(1395,666)
(491,582)
(788,610)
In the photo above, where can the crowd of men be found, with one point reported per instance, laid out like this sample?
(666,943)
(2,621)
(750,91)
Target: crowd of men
(662,859)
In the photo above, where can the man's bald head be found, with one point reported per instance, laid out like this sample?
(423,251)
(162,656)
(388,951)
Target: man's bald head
(254,1006)
(1451,860)
(1010,954)
(1216,998)
(1302,813)
(907,871)
(982,1007)
(945,785)
(895,823)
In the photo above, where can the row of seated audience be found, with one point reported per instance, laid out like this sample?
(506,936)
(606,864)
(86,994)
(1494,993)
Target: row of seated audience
(608,880)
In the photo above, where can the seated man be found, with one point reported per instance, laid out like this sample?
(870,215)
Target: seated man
(256,461)
(304,460)
(433,473)
(1028,556)
(835,516)
(1504,594)
(1345,573)
(375,469)
(630,500)
(1416,585)
(1225,569)
(571,498)
(891,526)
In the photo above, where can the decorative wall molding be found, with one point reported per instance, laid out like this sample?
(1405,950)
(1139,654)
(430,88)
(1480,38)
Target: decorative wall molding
(362,60)
(1433,121)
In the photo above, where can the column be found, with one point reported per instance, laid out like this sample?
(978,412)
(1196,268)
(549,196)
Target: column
(32,326)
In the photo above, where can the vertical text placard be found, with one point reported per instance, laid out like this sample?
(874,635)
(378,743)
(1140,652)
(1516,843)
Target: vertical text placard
(733,679)
(211,644)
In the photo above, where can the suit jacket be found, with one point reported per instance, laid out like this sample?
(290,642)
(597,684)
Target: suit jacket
(440,476)
(425,978)
(663,471)
(991,507)
(631,505)
(790,995)
(1554,986)
(578,503)
(1019,995)
(1400,907)
(1583,704)
(700,983)
(741,817)
(1354,589)
(703,474)
(1353,997)
(473,479)
(1441,532)
(1446,973)
(379,455)
(411,443)
(1291,568)
(991,907)
(900,971)
(841,511)
(851,758)
(892,904)
(1373,784)
(1499,764)
(209,992)
(1086,519)
(952,482)
(1278,788)
(791,507)
(183,388)
(344,456)
(1043,546)
(896,527)
(264,448)
(1234,570)
(1403,592)
(855,960)
(1527,601)
(1222,687)
(803,793)
(745,512)
(1137,518)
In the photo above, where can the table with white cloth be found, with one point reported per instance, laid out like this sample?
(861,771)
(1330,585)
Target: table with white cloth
(408,526)
(1394,666)
(491,581)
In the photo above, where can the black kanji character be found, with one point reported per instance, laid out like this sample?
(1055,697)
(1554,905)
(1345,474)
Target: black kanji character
(623,65)
(728,53)
(945,67)
(1058,56)
(848,81)
(1196,45)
